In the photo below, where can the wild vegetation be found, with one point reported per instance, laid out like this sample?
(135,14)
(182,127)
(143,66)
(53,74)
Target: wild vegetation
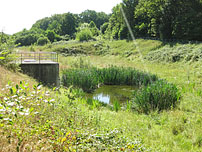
(156,95)
(164,115)
(157,19)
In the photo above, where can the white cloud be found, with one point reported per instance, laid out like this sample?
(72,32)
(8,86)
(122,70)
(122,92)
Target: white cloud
(18,14)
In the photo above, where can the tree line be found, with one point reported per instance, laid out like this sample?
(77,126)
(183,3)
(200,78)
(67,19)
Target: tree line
(162,19)
(61,27)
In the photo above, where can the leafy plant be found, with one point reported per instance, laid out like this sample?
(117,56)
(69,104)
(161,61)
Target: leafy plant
(116,106)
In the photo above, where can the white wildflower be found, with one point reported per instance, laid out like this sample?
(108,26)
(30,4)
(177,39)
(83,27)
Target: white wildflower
(45,101)
(5,98)
(11,104)
(52,100)
(7,119)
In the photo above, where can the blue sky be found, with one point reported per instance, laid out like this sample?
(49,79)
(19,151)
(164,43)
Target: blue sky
(16,15)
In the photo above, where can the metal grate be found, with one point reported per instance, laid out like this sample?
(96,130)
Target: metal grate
(36,57)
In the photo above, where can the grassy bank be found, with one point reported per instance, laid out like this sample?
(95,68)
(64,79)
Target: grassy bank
(70,122)
(175,130)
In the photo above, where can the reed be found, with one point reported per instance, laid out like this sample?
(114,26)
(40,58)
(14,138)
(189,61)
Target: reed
(89,79)
(158,96)
(82,78)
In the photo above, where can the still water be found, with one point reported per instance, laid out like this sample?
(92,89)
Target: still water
(110,93)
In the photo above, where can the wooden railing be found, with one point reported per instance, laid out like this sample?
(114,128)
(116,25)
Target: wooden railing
(36,57)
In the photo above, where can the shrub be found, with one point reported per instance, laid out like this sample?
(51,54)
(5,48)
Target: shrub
(6,49)
(42,41)
(84,35)
(159,96)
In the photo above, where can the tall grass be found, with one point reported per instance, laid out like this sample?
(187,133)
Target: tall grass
(125,76)
(88,79)
(176,53)
(158,96)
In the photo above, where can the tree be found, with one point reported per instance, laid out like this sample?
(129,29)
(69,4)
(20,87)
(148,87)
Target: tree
(84,35)
(69,24)
(98,18)
(93,29)
(42,23)
(6,47)
(51,35)
(115,22)
(43,41)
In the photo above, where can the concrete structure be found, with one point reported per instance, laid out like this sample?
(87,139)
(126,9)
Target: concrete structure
(41,66)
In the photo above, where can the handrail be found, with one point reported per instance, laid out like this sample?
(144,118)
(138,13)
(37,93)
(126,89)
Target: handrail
(36,57)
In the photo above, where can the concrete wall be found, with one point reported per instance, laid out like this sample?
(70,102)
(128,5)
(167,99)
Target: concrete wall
(47,73)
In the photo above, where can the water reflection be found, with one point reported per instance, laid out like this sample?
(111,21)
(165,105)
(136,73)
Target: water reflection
(110,93)
(105,98)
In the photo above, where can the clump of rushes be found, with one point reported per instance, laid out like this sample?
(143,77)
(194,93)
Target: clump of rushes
(88,79)
(125,76)
(158,96)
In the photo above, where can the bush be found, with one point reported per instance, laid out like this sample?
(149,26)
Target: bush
(6,49)
(84,35)
(42,41)
(159,96)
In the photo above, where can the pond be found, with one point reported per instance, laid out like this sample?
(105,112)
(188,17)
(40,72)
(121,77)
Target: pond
(111,93)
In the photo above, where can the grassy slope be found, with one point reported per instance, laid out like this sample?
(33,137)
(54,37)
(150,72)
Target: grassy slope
(175,130)
(15,78)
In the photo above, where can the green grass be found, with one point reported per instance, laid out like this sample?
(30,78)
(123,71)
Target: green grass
(89,79)
(175,130)
(172,130)
(99,47)
(158,96)
(176,53)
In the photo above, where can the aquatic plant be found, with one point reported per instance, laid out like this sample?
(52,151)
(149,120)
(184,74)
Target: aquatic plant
(82,78)
(116,106)
(89,79)
(158,96)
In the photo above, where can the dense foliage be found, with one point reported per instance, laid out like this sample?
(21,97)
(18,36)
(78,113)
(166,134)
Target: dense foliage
(164,19)
(161,19)
(6,49)
(61,27)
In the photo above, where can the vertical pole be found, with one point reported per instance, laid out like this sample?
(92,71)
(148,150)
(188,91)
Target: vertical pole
(39,57)
(21,58)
